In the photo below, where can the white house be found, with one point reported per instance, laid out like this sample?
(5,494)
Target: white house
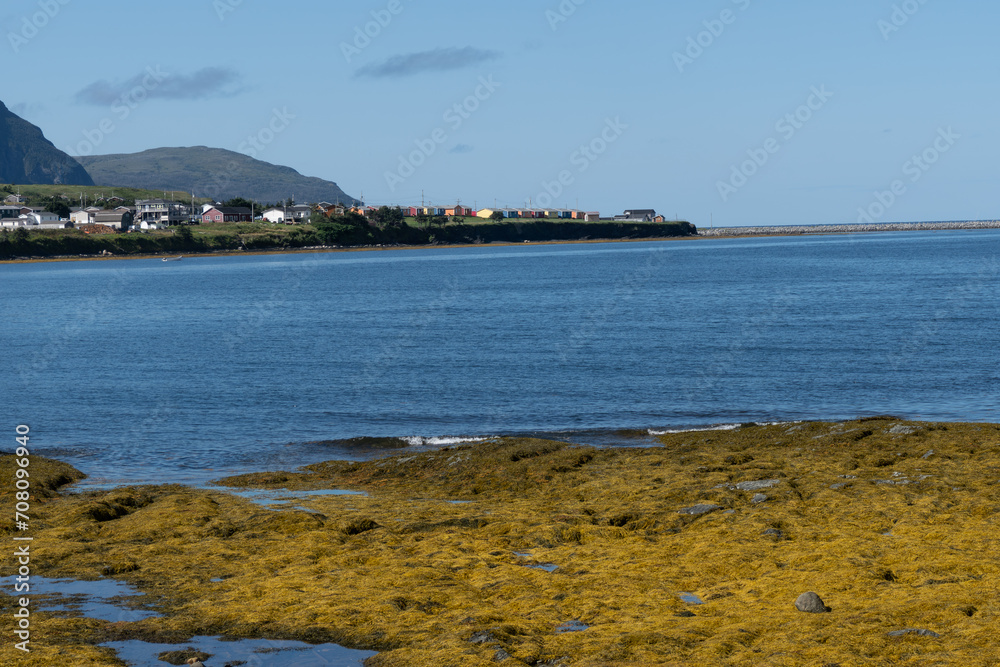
(42,220)
(275,215)
(82,217)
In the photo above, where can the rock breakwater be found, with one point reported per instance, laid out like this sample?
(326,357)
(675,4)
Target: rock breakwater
(794,230)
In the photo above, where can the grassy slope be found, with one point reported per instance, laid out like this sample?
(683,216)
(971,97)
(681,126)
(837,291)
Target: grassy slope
(211,172)
(266,236)
(408,573)
(36,193)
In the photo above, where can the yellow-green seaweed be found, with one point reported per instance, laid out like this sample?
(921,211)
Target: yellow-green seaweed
(893,523)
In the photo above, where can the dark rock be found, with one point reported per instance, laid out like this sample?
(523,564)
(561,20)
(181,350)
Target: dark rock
(810,603)
(774,533)
(914,631)
(685,614)
(759,498)
(697,510)
(482,638)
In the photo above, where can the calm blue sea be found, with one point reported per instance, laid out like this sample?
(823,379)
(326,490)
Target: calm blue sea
(151,371)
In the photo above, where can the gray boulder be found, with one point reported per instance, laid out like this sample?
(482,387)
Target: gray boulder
(810,603)
(914,631)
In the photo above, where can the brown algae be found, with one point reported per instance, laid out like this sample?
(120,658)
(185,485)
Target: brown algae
(893,523)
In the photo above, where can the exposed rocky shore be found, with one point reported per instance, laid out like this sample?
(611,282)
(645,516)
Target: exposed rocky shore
(858,543)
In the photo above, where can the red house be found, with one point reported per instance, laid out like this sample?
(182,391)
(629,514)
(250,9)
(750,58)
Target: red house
(227,214)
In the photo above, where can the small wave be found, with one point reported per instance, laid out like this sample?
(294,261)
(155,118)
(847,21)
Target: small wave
(718,427)
(397,443)
(441,441)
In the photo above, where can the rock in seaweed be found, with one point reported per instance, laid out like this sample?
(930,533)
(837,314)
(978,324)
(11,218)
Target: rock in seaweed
(758,486)
(914,631)
(699,509)
(810,603)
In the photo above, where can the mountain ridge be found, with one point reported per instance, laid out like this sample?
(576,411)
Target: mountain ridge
(216,173)
(28,158)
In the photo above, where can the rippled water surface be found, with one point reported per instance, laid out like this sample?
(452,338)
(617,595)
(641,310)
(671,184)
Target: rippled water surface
(140,370)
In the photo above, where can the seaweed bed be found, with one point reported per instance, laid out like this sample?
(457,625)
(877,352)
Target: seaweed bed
(692,553)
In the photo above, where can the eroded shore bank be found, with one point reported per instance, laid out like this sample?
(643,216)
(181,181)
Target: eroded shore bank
(529,552)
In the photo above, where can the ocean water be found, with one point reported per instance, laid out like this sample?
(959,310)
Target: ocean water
(151,371)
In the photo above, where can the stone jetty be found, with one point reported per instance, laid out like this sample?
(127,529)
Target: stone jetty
(792,230)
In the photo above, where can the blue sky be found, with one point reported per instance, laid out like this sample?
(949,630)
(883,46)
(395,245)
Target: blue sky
(731,112)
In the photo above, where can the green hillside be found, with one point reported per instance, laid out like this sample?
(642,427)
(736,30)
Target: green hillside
(92,195)
(213,173)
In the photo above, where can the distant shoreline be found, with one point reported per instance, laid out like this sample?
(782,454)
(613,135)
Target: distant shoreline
(703,234)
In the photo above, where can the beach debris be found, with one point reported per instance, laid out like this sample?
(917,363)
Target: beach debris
(811,603)
(914,631)
(903,429)
(697,510)
(758,486)
(759,498)
(195,662)
(929,454)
